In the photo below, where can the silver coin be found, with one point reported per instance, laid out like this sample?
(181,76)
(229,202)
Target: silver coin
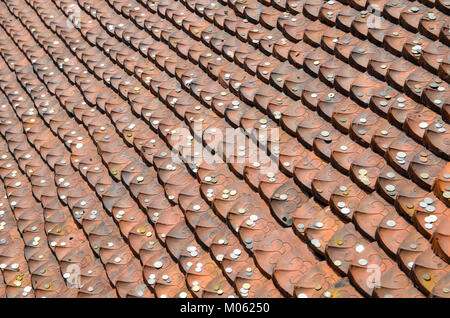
(391,223)
(390,188)
(158,264)
(343,188)
(362,262)
(390,175)
(359,248)
(316,243)
(318,224)
(431,218)
(341,204)
(345,211)
(423,125)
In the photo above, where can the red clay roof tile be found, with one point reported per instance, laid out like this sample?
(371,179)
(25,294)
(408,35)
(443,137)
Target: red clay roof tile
(137,136)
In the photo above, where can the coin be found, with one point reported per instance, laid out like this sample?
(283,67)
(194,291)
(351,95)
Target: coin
(362,172)
(390,188)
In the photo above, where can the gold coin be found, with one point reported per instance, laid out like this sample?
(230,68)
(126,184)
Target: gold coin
(141,230)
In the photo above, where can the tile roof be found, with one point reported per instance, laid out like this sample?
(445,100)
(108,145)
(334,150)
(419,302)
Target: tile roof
(240,148)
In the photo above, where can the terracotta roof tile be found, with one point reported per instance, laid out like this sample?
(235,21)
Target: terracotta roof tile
(224,149)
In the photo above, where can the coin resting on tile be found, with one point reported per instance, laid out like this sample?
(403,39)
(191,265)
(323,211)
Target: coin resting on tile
(223,149)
